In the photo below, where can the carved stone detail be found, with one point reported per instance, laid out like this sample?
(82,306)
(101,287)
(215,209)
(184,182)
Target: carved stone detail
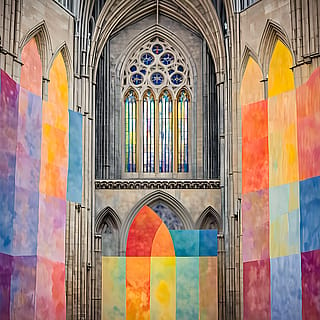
(157,184)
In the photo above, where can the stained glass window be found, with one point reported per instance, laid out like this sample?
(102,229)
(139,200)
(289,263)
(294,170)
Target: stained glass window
(148,132)
(130,131)
(182,132)
(176,78)
(157,48)
(165,132)
(147,58)
(167,58)
(137,78)
(157,78)
(160,73)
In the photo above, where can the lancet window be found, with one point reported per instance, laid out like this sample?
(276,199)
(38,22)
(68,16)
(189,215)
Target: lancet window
(157,123)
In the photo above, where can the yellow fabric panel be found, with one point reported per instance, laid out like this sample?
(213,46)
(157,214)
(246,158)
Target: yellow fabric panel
(163,288)
(58,85)
(280,76)
(282,131)
(251,86)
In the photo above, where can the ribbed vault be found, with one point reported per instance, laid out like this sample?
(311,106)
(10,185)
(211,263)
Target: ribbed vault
(199,16)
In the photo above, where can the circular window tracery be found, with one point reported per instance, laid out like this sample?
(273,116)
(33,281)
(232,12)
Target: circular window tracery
(147,58)
(167,58)
(176,78)
(157,78)
(157,48)
(157,64)
(137,78)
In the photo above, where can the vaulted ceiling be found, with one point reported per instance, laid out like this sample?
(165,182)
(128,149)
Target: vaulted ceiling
(204,17)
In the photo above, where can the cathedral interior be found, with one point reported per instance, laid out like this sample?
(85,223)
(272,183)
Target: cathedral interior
(160,159)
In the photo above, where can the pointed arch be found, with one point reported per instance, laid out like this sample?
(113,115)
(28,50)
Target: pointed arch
(107,214)
(248,53)
(252,86)
(144,36)
(130,125)
(64,50)
(148,118)
(108,227)
(165,131)
(41,33)
(183,111)
(209,217)
(31,70)
(280,73)
(273,31)
(149,200)
(112,14)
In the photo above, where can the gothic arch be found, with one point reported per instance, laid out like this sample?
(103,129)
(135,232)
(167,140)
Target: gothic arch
(107,229)
(208,216)
(272,32)
(248,53)
(145,36)
(64,50)
(41,34)
(107,214)
(148,200)
(201,14)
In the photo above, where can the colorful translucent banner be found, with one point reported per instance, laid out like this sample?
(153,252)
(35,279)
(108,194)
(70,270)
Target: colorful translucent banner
(166,274)
(74,185)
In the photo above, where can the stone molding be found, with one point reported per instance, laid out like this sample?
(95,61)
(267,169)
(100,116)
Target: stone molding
(157,184)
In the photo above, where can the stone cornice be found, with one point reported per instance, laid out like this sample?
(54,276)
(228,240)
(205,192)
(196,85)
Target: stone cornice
(157,184)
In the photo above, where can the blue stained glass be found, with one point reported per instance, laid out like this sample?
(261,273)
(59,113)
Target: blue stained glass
(176,78)
(157,78)
(180,68)
(147,58)
(167,58)
(157,48)
(144,71)
(137,78)
(133,68)
(169,218)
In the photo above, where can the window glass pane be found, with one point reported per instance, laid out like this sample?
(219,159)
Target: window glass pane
(130,132)
(148,132)
(182,131)
(165,133)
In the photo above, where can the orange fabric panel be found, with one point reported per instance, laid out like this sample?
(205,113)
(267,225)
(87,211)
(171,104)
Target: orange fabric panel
(31,70)
(162,243)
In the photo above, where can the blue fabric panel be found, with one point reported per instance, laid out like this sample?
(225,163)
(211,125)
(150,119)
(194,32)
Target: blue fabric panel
(186,242)
(310,214)
(286,292)
(187,299)
(74,186)
(208,243)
